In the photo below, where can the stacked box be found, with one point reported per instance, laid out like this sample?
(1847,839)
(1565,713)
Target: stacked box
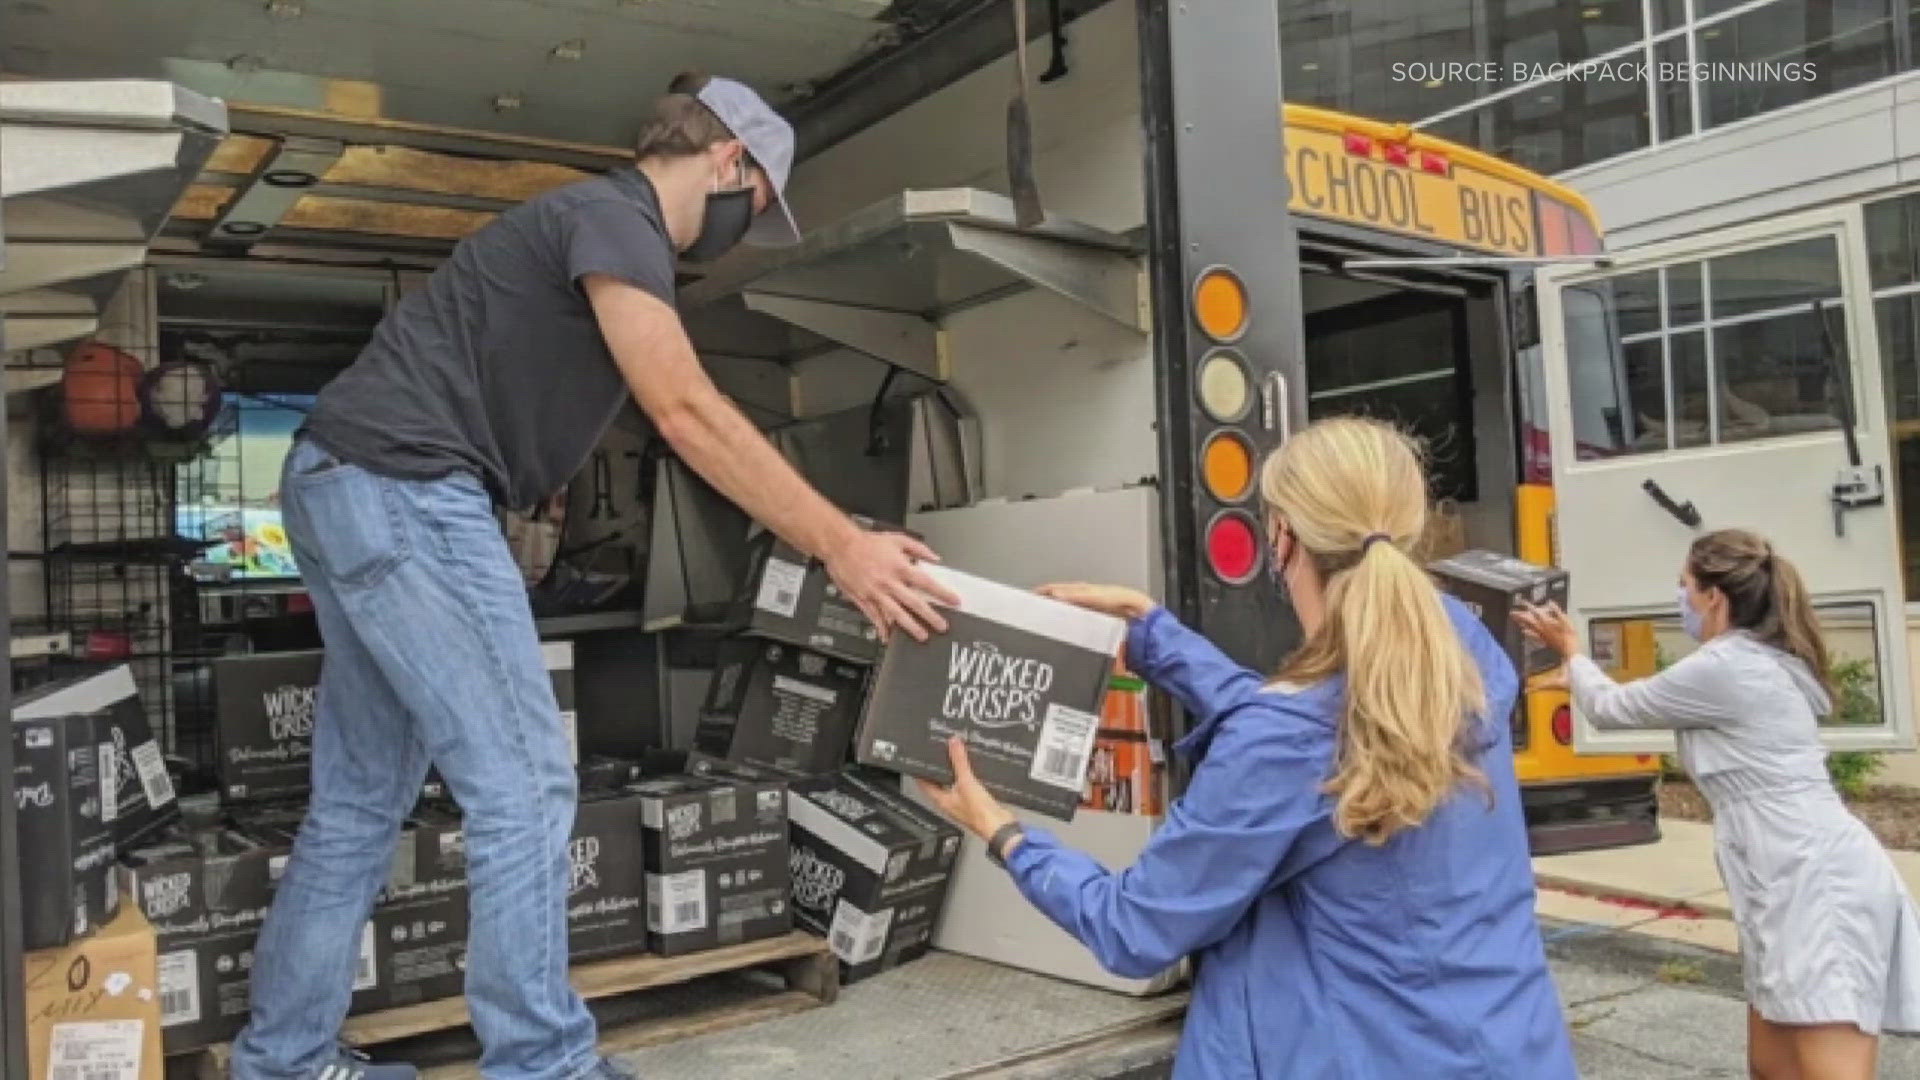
(789,597)
(66,844)
(264,709)
(1019,677)
(265,704)
(1493,586)
(93,1006)
(715,849)
(607,880)
(870,870)
(777,706)
(136,794)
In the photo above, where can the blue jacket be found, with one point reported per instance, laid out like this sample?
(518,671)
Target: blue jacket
(1317,957)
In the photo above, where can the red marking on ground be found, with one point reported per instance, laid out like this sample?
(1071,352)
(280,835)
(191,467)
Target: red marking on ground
(1633,903)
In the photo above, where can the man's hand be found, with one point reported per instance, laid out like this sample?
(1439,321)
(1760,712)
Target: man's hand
(878,571)
(967,801)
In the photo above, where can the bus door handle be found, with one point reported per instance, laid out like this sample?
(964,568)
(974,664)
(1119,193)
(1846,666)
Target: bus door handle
(1275,407)
(1684,512)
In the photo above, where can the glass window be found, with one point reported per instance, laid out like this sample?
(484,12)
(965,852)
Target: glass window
(1772,278)
(1810,48)
(1636,648)
(1764,372)
(1775,377)
(1892,225)
(1669,14)
(1899,321)
(1676,95)
(1683,295)
(1559,126)
(1692,406)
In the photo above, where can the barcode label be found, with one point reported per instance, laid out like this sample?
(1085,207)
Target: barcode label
(179,988)
(857,937)
(152,767)
(366,975)
(109,783)
(96,1050)
(1065,746)
(780,588)
(683,902)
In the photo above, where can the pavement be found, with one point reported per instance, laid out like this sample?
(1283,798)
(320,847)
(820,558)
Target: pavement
(1646,957)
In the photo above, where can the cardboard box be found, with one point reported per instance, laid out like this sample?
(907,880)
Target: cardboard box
(1492,585)
(136,794)
(66,845)
(264,708)
(780,707)
(715,850)
(870,870)
(789,597)
(1020,677)
(607,886)
(207,894)
(93,1007)
(265,704)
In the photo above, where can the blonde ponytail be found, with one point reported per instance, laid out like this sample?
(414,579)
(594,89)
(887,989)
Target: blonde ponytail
(1353,494)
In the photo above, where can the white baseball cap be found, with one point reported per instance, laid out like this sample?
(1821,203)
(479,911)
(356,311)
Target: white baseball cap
(769,139)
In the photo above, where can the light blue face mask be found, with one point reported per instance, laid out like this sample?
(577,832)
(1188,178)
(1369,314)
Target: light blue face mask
(1690,620)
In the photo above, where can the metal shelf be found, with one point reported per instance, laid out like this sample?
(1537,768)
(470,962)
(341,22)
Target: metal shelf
(881,281)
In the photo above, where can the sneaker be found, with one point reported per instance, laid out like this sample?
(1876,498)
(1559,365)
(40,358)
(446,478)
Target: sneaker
(609,1069)
(353,1065)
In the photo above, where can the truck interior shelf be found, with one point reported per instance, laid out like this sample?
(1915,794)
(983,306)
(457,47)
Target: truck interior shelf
(879,281)
(91,172)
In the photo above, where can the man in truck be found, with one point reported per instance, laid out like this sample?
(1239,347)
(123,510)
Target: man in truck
(492,385)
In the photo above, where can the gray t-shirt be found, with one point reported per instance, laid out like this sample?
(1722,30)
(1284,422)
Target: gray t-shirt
(497,367)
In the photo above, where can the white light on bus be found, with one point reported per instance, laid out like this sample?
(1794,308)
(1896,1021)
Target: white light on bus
(1226,391)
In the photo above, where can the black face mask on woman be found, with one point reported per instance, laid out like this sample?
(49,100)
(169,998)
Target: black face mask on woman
(727,217)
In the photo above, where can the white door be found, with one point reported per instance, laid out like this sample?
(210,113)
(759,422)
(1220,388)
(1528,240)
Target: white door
(1691,378)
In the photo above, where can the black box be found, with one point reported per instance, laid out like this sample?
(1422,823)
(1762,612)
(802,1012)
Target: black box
(715,850)
(780,707)
(264,707)
(1492,585)
(607,890)
(67,884)
(870,870)
(206,893)
(136,794)
(789,597)
(1020,677)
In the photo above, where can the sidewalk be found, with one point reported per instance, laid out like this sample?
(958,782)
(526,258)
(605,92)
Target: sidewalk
(1670,889)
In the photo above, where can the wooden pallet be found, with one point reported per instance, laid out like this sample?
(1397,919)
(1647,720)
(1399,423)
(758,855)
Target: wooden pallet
(809,968)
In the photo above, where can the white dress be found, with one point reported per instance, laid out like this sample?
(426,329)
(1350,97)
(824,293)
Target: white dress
(1828,932)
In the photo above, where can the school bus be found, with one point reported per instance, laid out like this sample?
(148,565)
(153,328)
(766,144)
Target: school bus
(1361,184)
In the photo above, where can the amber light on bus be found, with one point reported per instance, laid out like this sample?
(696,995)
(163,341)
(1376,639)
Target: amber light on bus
(1226,463)
(1220,304)
(1233,547)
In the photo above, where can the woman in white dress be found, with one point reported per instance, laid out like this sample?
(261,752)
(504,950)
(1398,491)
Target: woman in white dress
(1829,937)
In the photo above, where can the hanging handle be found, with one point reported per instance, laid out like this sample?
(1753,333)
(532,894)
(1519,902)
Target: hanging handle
(1685,512)
(1276,409)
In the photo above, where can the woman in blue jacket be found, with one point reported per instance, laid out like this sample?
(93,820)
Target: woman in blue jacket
(1348,866)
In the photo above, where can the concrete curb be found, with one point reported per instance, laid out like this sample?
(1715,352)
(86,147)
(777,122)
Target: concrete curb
(1703,905)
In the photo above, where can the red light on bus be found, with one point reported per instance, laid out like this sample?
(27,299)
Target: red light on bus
(1233,548)
(1563,726)
(1359,144)
(1398,154)
(1434,163)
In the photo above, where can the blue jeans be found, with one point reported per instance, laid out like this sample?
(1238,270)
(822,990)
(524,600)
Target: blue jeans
(432,656)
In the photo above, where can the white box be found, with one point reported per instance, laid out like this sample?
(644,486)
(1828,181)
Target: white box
(1108,537)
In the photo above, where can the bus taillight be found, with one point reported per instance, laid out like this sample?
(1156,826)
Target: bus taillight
(1220,304)
(1563,726)
(1359,145)
(1436,164)
(1226,465)
(1233,547)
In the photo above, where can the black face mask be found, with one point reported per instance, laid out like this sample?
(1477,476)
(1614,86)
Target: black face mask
(728,215)
(1277,567)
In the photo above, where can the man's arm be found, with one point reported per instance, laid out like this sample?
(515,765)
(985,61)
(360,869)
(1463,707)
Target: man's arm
(712,436)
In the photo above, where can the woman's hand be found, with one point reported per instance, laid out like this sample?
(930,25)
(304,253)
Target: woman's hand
(1114,600)
(1550,627)
(967,801)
